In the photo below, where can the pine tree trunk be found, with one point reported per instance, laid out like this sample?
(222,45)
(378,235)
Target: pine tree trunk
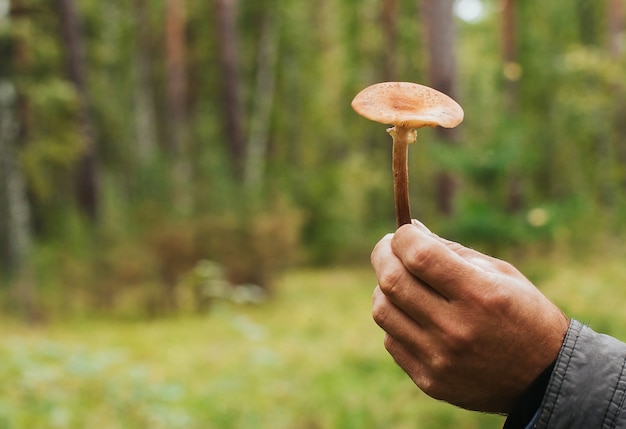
(258,139)
(145,112)
(232,109)
(177,99)
(511,75)
(87,171)
(175,48)
(617,47)
(509,54)
(390,33)
(616,28)
(440,35)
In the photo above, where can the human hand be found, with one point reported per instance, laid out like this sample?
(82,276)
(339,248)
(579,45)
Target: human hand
(467,328)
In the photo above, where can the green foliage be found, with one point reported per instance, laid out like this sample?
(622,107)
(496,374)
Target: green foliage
(55,144)
(325,196)
(585,123)
(145,271)
(338,229)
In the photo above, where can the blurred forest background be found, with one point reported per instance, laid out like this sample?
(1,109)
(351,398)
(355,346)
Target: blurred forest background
(154,152)
(164,161)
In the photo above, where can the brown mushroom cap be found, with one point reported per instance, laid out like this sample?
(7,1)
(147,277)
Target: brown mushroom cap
(407,105)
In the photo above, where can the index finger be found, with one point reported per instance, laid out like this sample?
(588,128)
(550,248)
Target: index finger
(433,262)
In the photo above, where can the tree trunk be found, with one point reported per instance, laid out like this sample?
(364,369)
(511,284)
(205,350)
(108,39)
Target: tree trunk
(15,228)
(389,17)
(15,209)
(616,28)
(228,59)
(587,21)
(511,75)
(258,139)
(175,48)
(15,219)
(145,122)
(440,42)
(177,99)
(87,171)
(615,40)
(511,68)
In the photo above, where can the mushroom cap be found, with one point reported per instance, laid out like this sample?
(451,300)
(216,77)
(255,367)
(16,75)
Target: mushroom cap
(408,105)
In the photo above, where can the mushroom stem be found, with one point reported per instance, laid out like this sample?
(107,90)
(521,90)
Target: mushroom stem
(407,106)
(402,137)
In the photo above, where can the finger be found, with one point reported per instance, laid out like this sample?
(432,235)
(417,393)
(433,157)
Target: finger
(433,262)
(485,262)
(421,226)
(481,260)
(383,243)
(418,300)
(411,364)
(398,324)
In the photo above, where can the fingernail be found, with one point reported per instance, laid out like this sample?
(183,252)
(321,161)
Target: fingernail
(421,226)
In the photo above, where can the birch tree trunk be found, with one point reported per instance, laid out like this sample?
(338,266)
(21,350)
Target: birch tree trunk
(15,209)
(15,216)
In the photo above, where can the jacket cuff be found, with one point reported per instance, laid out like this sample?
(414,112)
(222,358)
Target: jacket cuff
(526,408)
(587,388)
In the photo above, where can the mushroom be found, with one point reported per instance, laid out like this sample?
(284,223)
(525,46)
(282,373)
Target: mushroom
(407,106)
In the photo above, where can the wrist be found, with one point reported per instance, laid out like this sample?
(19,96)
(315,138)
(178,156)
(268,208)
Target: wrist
(525,408)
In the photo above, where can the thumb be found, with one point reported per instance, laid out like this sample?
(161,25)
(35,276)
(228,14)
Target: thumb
(421,226)
(433,261)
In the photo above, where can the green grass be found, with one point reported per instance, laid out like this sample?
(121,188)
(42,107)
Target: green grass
(311,358)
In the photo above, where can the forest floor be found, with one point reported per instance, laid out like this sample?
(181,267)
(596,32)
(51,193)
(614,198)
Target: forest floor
(309,358)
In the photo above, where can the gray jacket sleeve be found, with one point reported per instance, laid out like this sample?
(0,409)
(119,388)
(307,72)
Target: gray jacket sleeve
(587,388)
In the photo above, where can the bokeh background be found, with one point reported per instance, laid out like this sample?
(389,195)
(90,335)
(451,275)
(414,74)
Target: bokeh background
(188,202)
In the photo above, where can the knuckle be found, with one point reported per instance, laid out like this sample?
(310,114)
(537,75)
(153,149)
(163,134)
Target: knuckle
(374,254)
(389,281)
(391,345)
(389,342)
(439,364)
(495,296)
(423,257)
(379,249)
(434,379)
(505,268)
(380,310)
(498,300)
(430,385)
(458,339)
